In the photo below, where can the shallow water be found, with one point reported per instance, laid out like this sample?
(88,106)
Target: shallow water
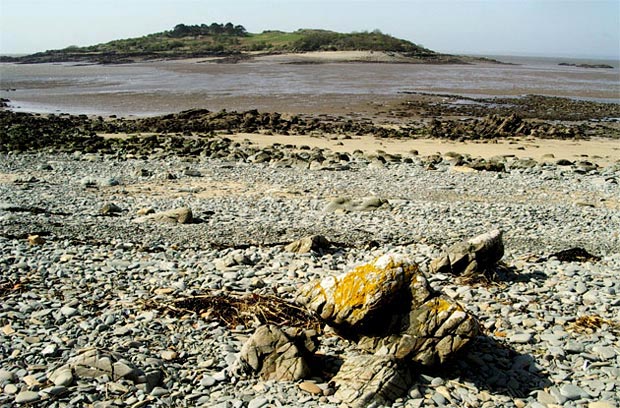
(171,86)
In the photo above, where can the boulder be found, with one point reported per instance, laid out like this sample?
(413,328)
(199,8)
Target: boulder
(345,204)
(277,354)
(473,255)
(182,215)
(430,333)
(365,379)
(388,308)
(110,209)
(346,300)
(304,245)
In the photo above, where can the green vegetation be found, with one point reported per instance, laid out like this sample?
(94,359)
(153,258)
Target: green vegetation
(204,40)
(322,40)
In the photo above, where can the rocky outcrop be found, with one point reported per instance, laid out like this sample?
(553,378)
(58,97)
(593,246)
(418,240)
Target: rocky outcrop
(388,307)
(495,126)
(278,354)
(471,256)
(591,66)
(364,380)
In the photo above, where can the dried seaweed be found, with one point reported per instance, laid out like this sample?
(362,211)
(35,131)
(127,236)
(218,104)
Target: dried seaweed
(591,323)
(575,255)
(243,309)
(9,286)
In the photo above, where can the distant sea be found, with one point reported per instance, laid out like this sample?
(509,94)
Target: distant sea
(540,60)
(171,86)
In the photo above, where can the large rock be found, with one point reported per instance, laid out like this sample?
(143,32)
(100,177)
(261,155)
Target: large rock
(364,380)
(304,245)
(346,300)
(429,334)
(388,307)
(345,204)
(182,215)
(474,255)
(276,354)
(95,363)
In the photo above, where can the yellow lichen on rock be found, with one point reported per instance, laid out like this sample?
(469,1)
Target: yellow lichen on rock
(388,307)
(348,298)
(359,291)
(361,286)
(355,287)
(442,305)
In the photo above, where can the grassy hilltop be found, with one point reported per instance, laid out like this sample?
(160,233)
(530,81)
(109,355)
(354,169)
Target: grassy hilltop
(227,40)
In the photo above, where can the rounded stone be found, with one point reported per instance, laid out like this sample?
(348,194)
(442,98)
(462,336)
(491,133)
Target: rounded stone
(26,397)
(63,377)
(572,392)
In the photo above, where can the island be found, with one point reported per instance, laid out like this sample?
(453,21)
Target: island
(229,43)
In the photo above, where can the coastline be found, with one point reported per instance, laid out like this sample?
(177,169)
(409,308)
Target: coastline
(91,258)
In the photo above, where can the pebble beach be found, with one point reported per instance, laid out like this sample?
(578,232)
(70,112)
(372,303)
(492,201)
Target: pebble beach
(164,225)
(85,278)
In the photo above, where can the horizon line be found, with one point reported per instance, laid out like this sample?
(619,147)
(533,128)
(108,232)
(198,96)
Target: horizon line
(453,52)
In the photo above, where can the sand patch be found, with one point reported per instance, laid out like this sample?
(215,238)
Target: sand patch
(336,56)
(600,151)
(8,178)
(202,188)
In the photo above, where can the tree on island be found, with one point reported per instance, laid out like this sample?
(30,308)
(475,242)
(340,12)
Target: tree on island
(182,30)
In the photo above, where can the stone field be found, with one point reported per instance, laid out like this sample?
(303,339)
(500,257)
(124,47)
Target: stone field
(90,270)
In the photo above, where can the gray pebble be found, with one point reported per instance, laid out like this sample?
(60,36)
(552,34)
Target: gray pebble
(258,402)
(604,352)
(159,391)
(27,396)
(572,392)
(521,338)
(439,399)
(6,376)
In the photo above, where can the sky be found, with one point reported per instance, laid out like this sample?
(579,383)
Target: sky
(554,28)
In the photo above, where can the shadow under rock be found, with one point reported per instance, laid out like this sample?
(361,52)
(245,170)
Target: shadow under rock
(501,273)
(493,366)
(486,364)
(326,366)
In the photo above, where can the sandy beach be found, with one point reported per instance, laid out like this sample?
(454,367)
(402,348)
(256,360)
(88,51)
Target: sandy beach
(600,151)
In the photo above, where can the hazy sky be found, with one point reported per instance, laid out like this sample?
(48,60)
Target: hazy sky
(588,28)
